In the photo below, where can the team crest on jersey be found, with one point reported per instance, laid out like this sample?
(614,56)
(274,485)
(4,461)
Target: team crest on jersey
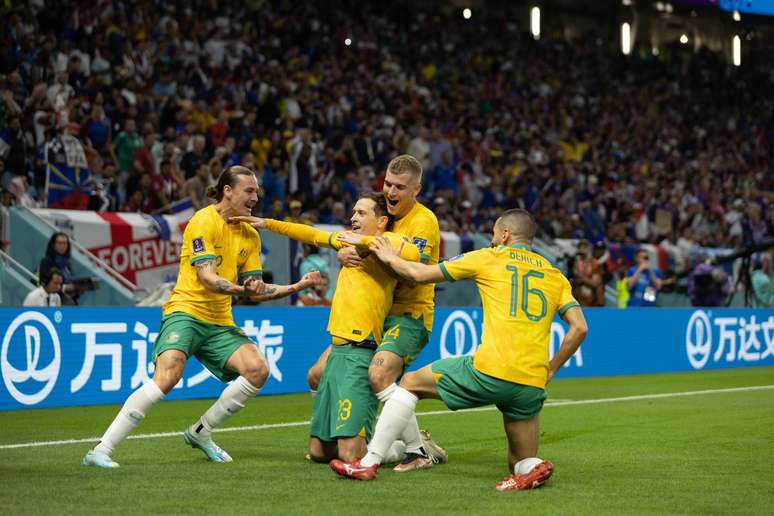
(243,253)
(420,243)
(198,244)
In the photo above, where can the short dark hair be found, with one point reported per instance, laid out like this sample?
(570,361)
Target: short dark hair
(520,222)
(227,177)
(52,240)
(46,279)
(380,203)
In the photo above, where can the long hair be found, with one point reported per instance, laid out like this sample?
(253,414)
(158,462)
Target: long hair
(227,178)
(50,248)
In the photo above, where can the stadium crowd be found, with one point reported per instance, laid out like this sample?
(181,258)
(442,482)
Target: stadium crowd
(163,96)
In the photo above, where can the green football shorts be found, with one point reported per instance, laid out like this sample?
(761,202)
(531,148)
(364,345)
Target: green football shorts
(461,386)
(404,336)
(345,406)
(212,345)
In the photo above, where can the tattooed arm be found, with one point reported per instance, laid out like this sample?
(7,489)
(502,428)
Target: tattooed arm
(310,279)
(207,272)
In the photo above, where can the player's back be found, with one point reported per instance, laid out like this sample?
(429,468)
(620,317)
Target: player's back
(520,293)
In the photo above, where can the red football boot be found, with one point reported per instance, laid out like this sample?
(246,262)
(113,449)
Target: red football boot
(354,469)
(536,477)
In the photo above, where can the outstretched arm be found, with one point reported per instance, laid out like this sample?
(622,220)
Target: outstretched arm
(310,279)
(410,270)
(300,232)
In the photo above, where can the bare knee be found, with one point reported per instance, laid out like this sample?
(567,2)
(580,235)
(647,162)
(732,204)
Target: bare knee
(320,451)
(379,378)
(313,377)
(169,370)
(256,372)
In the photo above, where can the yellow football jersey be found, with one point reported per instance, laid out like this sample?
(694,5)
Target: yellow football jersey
(363,294)
(520,292)
(420,225)
(236,249)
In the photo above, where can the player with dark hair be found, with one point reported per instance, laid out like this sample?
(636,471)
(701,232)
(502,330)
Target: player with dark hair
(520,292)
(410,321)
(218,260)
(344,409)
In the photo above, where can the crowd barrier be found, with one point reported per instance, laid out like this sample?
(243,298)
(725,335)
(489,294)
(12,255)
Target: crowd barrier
(86,356)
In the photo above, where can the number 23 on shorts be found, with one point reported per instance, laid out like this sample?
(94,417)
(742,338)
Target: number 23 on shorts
(345,409)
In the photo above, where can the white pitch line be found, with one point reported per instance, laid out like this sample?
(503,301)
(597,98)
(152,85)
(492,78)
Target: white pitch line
(557,403)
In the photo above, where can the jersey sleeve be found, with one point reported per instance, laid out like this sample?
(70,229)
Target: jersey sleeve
(199,236)
(462,266)
(409,251)
(426,238)
(304,233)
(252,266)
(566,299)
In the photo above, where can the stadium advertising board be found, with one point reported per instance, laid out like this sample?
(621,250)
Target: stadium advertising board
(80,356)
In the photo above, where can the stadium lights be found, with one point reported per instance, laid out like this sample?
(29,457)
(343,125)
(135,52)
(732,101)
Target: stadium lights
(737,50)
(348,41)
(535,22)
(467,13)
(626,41)
(684,39)
(737,16)
(626,3)
(654,50)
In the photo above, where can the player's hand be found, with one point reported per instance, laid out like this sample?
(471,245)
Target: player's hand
(254,287)
(350,238)
(349,257)
(383,249)
(256,222)
(310,279)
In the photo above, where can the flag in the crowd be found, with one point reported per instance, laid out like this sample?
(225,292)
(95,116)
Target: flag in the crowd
(68,179)
(170,227)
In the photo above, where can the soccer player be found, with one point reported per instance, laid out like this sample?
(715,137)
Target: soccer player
(344,410)
(197,319)
(520,292)
(410,321)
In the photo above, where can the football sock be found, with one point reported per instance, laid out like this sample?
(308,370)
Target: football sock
(396,453)
(231,401)
(384,395)
(410,435)
(395,416)
(134,410)
(524,466)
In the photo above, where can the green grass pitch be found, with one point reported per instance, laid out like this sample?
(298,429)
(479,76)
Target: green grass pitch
(707,453)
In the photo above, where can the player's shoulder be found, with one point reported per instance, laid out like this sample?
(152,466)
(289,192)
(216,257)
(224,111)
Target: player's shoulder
(425,214)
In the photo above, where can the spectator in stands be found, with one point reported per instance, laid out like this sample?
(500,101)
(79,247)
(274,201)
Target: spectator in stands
(191,160)
(126,143)
(643,281)
(762,297)
(196,187)
(708,285)
(47,294)
(58,257)
(588,288)
(315,296)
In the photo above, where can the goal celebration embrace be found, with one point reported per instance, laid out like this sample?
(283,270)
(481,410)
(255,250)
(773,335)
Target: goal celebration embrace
(381,318)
